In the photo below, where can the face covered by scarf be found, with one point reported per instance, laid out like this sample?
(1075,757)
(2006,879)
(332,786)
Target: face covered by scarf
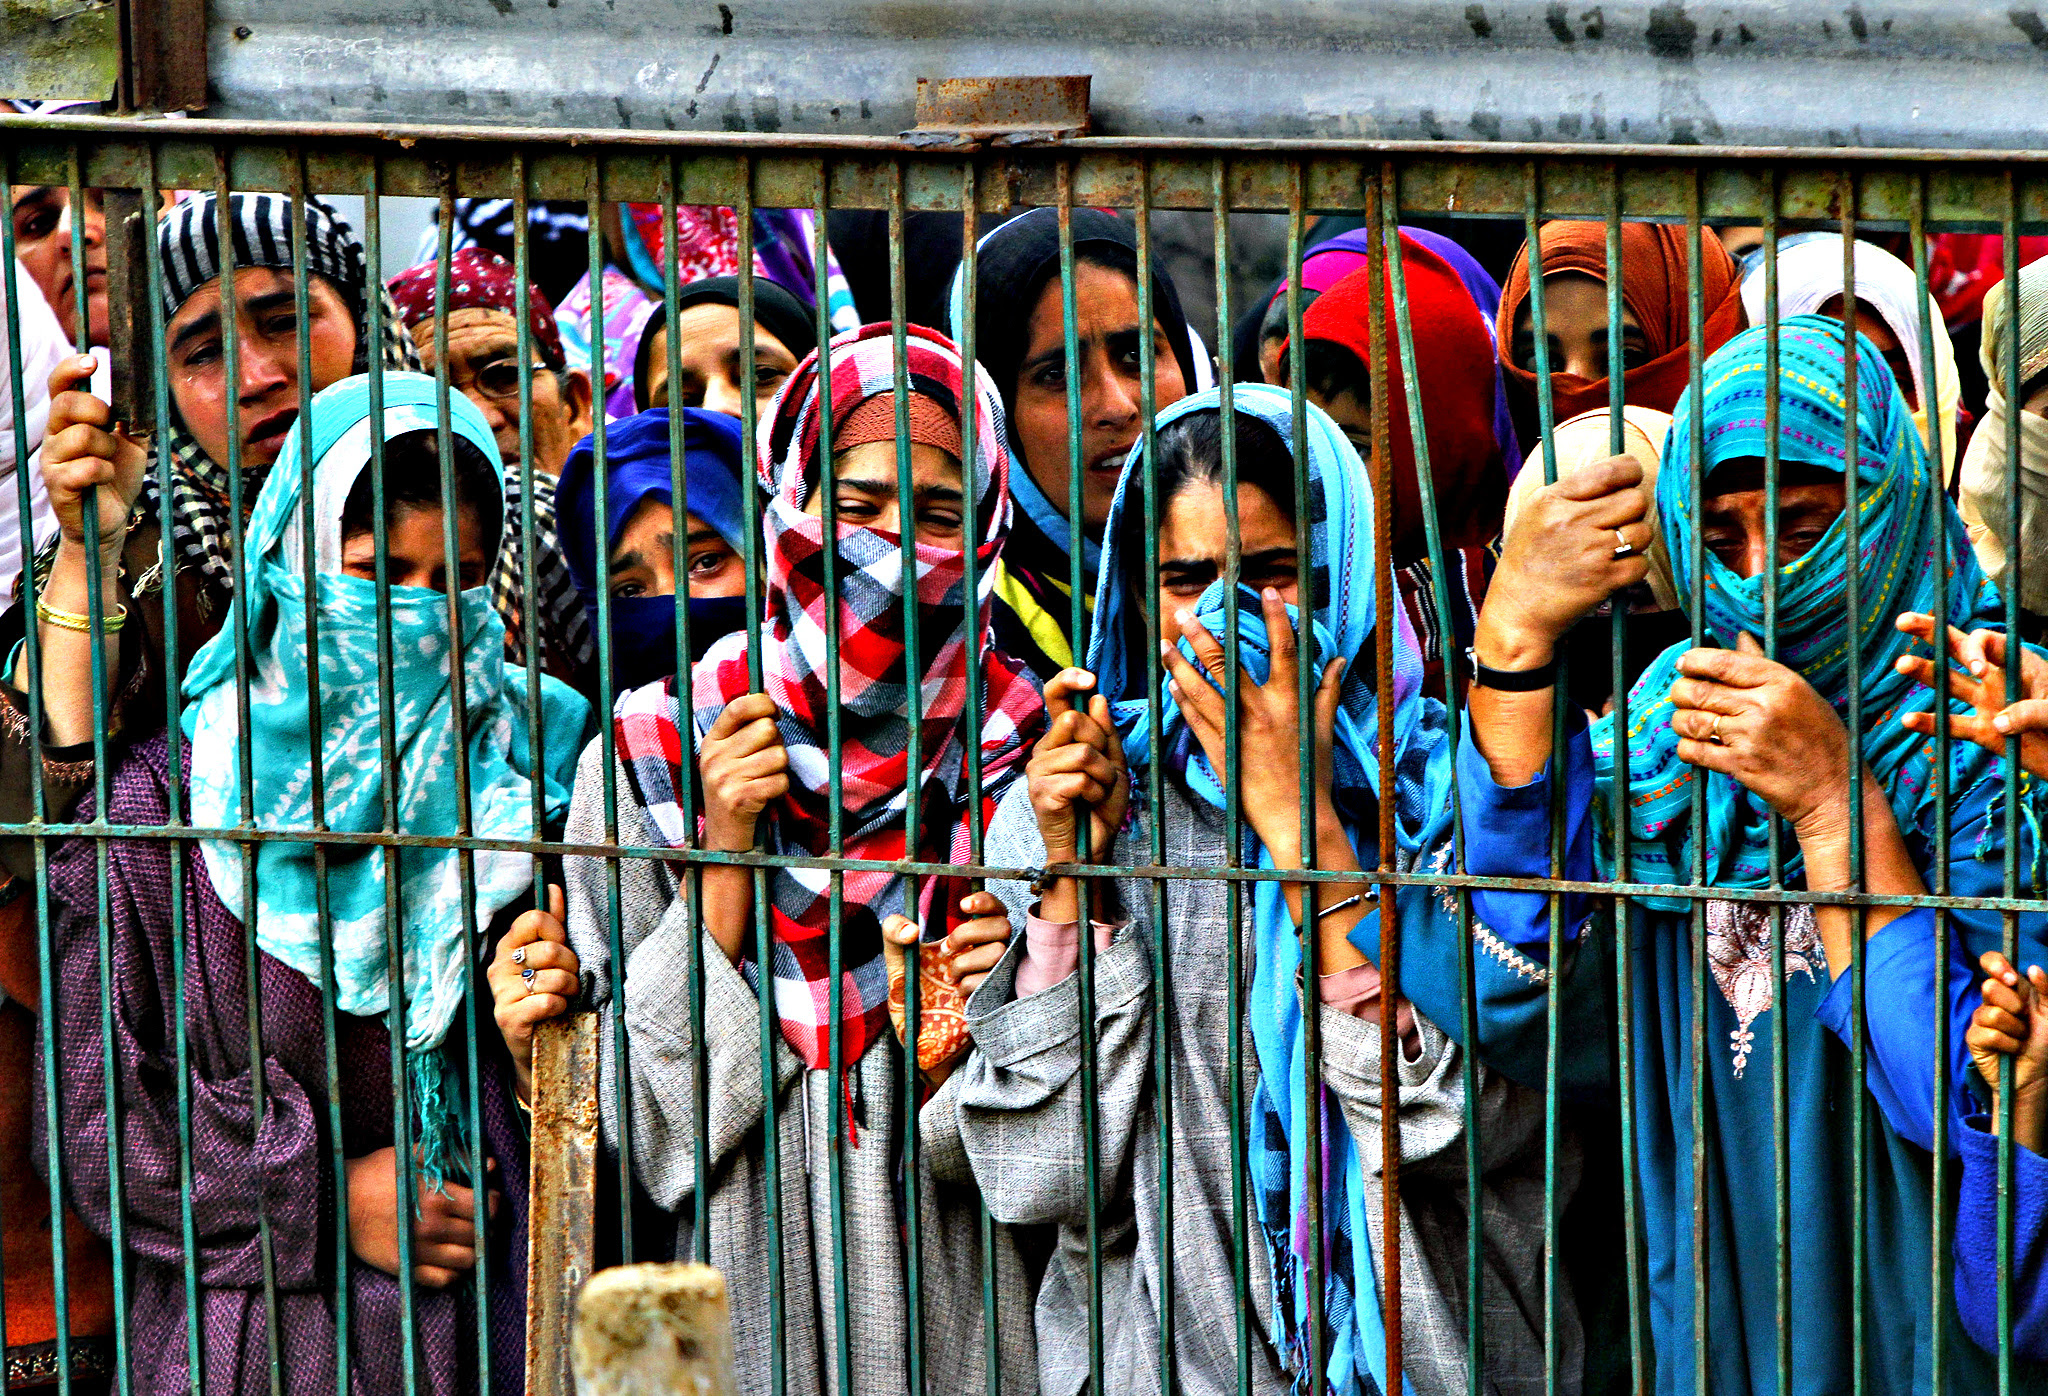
(1908,531)
(1810,275)
(638,470)
(1988,465)
(1654,261)
(1342,572)
(437,942)
(1455,374)
(873,707)
(188,244)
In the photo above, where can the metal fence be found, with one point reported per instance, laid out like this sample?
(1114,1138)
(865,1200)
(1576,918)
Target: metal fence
(1852,191)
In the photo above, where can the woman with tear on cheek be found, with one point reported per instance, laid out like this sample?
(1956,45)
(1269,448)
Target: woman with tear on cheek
(763,757)
(1023,1100)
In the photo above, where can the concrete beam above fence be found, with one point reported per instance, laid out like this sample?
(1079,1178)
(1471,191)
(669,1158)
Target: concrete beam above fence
(1947,73)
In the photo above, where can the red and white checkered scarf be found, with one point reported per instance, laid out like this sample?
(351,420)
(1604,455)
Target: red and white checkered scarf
(874,702)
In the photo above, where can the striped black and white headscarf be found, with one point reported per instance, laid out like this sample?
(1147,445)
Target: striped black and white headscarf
(260,235)
(189,254)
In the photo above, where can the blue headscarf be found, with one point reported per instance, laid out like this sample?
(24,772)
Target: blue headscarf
(1906,523)
(636,457)
(1343,573)
(271,603)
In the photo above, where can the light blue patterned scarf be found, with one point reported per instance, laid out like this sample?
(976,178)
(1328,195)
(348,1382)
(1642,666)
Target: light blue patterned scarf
(1906,524)
(1340,521)
(437,942)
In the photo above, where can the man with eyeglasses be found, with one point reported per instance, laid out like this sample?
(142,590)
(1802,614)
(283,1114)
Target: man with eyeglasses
(483,304)
(483,307)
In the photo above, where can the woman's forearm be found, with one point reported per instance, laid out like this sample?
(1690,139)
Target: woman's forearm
(1888,870)
(66,653)
(729,907)
(1511,730)
(1334,853)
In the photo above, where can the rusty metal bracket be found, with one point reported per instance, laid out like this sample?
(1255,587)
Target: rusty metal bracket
(1000,111)
(163,55)
(129,350)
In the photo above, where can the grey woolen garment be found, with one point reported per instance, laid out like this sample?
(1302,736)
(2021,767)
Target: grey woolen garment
(654,932)
(1020,1121)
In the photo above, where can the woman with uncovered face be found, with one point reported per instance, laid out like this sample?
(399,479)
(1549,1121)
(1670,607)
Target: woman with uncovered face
(1768,739)
(764,765)
(1020,341)
(641,536)
(86,450)
(703,367)
(279,1173)
(1022,1102)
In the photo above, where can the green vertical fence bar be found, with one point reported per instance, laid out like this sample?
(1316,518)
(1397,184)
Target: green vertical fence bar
(1388,229)
(387,700)
(1162,979)
(252,965)
(1696,1042)
(465,855)
(1939,1262)
(691,875)
(1634,1279)
(2007,1200)
(45,985)
(1233,767)
(180,852)
(1858,963)
(96,609)
(750,508)
(330,1045)
(1532,219)
(594,261)
(1378,256)
(913,692)
(829,559)
(1311,959)
(1781,1070)
(1091,1138)
(977,636)
(522,280)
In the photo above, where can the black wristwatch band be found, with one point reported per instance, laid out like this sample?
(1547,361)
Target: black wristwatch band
(1513,680)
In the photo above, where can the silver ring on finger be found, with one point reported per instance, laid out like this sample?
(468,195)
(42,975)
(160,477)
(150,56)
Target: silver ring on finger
(527,975)
(1622,547)
(519,956)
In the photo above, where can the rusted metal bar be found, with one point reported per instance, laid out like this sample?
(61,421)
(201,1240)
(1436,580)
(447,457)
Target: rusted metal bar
(561,1225)
(163,55)
(131,354)
(999,111)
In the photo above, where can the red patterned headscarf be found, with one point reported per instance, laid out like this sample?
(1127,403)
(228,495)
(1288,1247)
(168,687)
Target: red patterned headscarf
(873,754)
(478,280)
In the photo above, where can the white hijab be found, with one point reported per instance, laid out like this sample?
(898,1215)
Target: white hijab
(43,347)
(1810,275)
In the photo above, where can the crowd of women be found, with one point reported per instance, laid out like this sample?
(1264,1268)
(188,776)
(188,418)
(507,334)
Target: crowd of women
(950,612)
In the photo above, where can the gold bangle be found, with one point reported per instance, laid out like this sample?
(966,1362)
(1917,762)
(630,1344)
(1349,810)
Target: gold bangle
(72,620)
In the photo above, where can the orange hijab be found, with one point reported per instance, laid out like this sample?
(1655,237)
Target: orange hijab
(1653,288)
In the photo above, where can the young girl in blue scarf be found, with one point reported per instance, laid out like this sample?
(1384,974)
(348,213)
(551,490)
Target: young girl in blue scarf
(1768,737)
(1020,1104)
(265,1172)
(641,510)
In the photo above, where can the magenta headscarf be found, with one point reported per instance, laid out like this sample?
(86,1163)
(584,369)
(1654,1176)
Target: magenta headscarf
(1328,263)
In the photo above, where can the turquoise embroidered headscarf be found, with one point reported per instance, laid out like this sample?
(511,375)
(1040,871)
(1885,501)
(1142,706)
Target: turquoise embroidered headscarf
(437,942)
(1339,516)
(1906,524)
